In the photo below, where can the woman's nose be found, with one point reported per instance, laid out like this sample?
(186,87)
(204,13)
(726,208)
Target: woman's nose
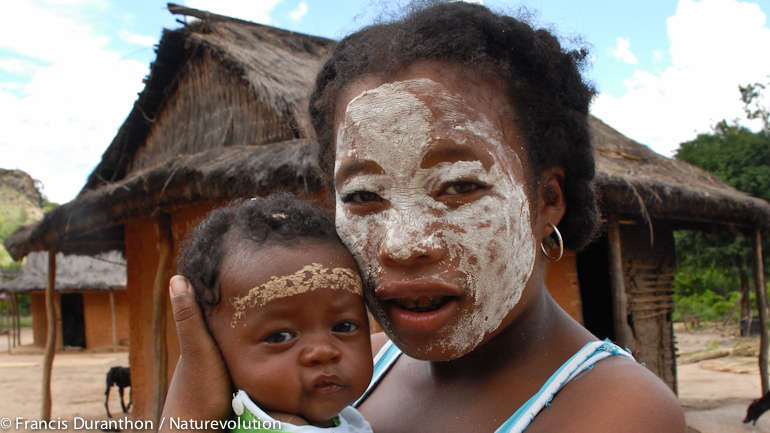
(404,247)
(319,351)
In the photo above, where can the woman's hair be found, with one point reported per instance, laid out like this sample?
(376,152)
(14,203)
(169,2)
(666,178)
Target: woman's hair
(545,89)
(280,219)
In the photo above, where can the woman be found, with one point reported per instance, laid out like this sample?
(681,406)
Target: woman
(457,142)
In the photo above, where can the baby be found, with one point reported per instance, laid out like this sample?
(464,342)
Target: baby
(282,298)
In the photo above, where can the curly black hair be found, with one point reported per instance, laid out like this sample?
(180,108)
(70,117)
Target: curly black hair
(545,88)
(279,219)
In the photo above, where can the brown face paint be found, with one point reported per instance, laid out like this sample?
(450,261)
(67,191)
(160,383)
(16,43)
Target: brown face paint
(309,278)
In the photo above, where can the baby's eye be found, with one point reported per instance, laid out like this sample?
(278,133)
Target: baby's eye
(279,337)
(461,187)
(345,327)
(360,197)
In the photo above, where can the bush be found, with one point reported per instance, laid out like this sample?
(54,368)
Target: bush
(707,306)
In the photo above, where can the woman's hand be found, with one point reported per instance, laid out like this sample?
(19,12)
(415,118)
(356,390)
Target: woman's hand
(200,388)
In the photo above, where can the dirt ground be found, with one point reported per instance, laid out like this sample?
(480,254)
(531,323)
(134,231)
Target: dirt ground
(714,392)
(77,384)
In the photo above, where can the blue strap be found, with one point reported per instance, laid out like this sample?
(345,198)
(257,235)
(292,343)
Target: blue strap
(583,360)
(580,362)
(385,358)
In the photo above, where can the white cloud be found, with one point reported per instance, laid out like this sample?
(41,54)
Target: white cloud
(17,66)
(59,119)
(714,47)
(137,39)
(256,11)
(623,52)
(658,56)
(299,12)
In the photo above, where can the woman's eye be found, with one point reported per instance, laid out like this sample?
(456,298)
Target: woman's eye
(464,187)
(345,327)
(279,337)
(360,197)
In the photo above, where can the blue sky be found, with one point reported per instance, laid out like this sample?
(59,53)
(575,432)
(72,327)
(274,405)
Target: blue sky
(70,69)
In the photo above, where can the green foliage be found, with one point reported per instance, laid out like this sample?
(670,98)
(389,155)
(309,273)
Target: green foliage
(49,206)
(24,320)
(739,157)
(706,305)
(715,262)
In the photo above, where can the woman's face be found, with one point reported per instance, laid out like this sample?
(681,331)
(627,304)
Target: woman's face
(431,200)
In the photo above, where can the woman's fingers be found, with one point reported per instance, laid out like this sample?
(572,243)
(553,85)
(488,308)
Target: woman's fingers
(193,336)
(200,365)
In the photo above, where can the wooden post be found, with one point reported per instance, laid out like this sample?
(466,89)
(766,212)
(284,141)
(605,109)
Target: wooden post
(8,319)
(619,301)
(761,294)
(50,338)
(114,326)
(16,331)
(18,318)
(159,297)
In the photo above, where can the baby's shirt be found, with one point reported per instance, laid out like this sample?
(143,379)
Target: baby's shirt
(251,418)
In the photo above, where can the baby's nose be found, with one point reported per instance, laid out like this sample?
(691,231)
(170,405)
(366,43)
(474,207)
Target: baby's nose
(319,351)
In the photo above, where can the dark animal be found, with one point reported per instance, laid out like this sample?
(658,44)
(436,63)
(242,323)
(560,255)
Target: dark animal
(757,408)
(120,377)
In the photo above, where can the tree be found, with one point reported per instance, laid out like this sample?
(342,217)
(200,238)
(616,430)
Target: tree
(721,262)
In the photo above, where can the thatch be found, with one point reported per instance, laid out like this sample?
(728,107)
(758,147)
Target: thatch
(277,68)
(218,175)
(276,64)
(633,180)
(106,271)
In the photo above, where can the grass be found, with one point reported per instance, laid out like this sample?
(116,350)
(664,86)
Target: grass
(24,321)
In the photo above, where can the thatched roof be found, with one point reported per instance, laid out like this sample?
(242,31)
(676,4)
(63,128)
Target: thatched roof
(275,65)
(106,271)
(279,69)
(635,181)
(89,224)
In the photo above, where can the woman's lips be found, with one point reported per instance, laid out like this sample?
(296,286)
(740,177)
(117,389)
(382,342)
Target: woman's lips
(419,306)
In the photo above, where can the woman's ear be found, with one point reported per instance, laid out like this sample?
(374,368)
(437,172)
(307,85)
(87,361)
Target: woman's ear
(551,199)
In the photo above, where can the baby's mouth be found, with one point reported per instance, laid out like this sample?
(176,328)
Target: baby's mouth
(422,304)
(328,384)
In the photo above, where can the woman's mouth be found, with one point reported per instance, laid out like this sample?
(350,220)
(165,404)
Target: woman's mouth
(420,306)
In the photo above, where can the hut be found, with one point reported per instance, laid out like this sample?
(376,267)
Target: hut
(223,115)
(91,301)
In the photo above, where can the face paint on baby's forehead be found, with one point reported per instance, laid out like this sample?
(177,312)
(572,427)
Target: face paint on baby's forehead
(311,277)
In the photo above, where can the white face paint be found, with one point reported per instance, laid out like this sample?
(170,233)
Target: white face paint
(484,238)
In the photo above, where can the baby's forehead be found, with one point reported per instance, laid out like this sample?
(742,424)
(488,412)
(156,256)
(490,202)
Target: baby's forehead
(309,278)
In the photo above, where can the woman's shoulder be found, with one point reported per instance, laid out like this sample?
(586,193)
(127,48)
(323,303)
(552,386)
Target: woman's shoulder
(618,394)
(378,339)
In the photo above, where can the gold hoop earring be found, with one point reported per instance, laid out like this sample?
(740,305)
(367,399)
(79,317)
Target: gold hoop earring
(552,244)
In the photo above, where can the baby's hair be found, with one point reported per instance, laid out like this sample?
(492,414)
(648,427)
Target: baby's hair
(280,219)
(545,87)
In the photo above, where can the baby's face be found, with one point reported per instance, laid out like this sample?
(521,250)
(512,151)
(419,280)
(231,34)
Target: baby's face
(292,328)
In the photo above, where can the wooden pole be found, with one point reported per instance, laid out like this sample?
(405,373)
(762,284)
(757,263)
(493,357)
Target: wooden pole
(159,297)
(18,318)
(114,326)
(761,294)
(8,320)
(619,301)
(50,338)
(16,336)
